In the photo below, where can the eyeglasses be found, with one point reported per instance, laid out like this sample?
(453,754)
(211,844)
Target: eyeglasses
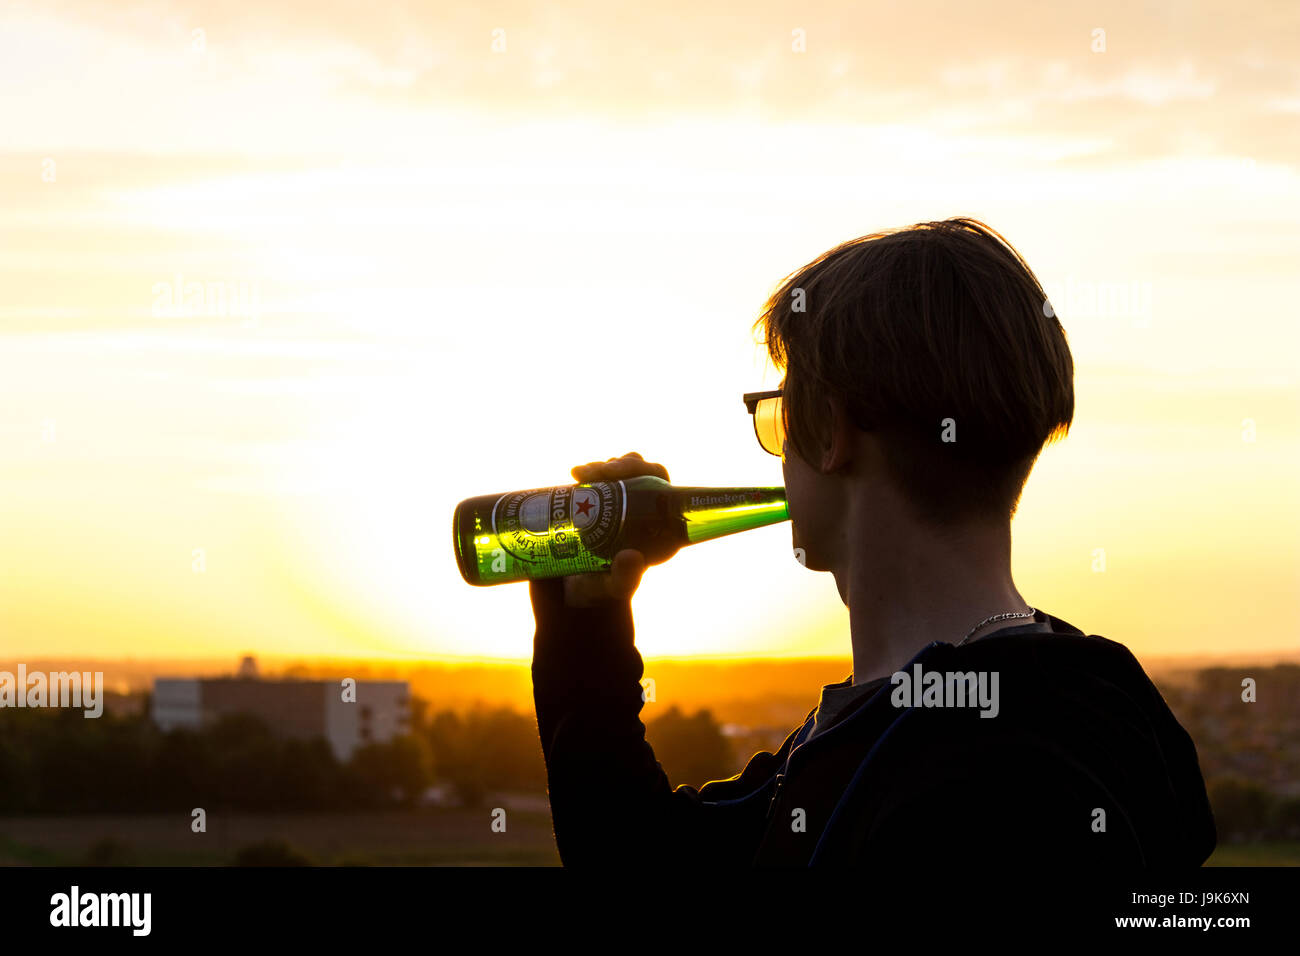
(769,420)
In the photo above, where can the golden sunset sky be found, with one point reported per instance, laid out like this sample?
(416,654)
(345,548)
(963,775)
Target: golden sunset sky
(452,249)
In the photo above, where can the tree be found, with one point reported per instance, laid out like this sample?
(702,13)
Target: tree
(1285,822)
(1241,809)
(399,769)
(692,750)
(487,749)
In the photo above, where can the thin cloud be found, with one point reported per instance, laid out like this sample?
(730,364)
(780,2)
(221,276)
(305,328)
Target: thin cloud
(1174,77)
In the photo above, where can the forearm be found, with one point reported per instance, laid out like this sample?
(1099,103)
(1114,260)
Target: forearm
(611,802)
(609,796)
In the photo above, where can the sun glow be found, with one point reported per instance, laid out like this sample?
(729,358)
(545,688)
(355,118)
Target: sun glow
(275,306)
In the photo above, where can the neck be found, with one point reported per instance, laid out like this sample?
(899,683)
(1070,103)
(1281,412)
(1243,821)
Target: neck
(907,584)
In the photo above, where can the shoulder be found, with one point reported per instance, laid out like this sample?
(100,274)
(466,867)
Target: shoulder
(1021,771)
(940,789)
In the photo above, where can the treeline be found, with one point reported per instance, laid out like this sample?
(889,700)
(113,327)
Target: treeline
(56,761)
(1248,745)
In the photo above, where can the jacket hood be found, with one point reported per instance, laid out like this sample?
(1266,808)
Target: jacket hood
(1075,705)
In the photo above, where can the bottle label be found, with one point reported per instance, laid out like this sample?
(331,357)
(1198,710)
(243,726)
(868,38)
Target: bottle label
(543,524)
(725,498)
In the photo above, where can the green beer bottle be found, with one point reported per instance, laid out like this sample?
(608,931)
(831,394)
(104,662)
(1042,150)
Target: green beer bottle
(574,529)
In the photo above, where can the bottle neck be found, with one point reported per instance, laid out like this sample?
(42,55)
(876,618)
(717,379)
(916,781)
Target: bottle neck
(714,512)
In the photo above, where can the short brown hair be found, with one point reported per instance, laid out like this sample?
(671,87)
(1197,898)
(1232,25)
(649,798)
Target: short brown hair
(912,327)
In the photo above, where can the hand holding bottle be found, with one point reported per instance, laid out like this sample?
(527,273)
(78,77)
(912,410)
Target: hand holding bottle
(620,582)
(601,533)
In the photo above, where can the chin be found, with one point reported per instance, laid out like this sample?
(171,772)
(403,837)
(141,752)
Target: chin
(809,560)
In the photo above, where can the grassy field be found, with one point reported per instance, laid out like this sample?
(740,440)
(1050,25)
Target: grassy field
(432,837)
(1256,854)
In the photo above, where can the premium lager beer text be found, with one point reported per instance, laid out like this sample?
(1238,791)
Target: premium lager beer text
(573,529)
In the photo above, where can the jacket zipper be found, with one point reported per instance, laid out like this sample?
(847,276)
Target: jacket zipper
(771,807)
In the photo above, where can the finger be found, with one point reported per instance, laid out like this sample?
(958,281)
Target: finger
(592,590)
(590,469)
(618,583)
(602,464)
(615,468)
(637,467)
(579,591)
(627,467)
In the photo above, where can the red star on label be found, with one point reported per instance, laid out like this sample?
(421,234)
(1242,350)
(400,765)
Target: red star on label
(585,506)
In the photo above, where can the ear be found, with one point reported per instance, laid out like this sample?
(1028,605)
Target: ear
(837,455)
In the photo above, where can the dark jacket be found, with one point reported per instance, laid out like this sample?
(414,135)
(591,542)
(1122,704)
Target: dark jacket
(1080,732)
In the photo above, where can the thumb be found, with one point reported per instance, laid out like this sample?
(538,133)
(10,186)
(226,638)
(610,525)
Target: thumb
(626,571)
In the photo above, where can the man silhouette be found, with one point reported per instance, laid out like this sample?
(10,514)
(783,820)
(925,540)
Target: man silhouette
(924,372)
